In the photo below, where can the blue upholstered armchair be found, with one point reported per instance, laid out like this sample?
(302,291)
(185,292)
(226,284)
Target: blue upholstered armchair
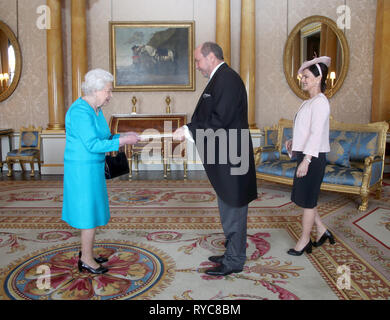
(29,150)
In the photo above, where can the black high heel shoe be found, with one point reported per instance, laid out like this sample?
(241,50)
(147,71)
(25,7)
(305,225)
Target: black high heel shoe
(307,248)
(326,235)
(83,266)
(98,259)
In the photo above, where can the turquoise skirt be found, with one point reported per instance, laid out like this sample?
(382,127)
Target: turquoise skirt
(85,198)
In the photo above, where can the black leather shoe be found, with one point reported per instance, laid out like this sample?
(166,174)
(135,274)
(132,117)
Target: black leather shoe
(98,259)
(216,259)
(307,248)
(326,235)
(83,266)
(221,270)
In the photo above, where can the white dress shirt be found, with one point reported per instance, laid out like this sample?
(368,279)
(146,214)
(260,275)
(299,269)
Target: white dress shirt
(215,70)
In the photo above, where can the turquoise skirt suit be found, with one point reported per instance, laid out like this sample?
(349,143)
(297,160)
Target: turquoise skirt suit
(88,138)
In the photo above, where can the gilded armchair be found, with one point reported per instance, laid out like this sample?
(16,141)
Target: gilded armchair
(29,150)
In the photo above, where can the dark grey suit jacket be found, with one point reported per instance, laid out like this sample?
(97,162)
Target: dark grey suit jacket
(223,105)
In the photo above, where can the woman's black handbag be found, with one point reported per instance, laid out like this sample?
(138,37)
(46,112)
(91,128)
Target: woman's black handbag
(116,166)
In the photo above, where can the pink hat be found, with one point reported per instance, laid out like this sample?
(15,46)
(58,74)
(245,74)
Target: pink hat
(325,60)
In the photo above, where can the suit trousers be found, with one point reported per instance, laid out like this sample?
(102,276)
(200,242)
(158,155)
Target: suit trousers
(234,224)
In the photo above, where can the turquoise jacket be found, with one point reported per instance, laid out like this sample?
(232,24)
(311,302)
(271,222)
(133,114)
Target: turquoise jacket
(88,138)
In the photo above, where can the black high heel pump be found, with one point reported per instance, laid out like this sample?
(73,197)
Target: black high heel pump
(98,259)
(83,266)
(307,248)
(326,235)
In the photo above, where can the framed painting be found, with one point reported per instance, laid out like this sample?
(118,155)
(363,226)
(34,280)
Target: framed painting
(152,56)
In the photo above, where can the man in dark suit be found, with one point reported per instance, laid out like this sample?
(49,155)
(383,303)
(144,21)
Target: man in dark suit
(220,129)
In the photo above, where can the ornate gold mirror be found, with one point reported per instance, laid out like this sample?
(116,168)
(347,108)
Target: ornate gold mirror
(10,61)
(313,37)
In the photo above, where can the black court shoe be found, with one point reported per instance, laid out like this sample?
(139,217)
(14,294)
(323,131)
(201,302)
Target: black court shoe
(83,266)
(307,248)
(98,259)
(326,235)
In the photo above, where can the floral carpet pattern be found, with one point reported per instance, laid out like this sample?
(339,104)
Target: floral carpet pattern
(161,234)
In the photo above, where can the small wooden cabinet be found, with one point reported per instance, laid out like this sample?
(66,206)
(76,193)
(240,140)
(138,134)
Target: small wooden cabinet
(151,124)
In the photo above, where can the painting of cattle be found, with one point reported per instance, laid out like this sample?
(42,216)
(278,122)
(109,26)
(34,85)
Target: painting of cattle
(152,56)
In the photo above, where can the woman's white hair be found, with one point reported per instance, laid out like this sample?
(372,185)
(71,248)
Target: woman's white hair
(96,80)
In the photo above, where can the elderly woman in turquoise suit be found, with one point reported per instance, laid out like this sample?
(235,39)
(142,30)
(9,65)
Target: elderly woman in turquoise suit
(88,138)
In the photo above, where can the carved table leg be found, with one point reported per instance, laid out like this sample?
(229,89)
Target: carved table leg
(129,160)
(136,158)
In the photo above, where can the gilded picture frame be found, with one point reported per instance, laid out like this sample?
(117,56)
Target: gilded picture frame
(152,56)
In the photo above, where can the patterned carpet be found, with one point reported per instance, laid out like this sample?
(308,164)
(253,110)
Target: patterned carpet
(161,233)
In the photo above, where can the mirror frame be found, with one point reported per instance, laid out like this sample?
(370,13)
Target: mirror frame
(18,61)
(288,48)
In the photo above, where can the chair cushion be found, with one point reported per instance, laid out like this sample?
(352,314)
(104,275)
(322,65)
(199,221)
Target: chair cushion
(269,155)
(339,152)
(365,145)
(283,168)
(26,152)
(29,139)
(335,174)
(343,135)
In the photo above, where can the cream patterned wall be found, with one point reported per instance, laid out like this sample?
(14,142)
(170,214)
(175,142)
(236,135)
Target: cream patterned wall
(275,19)
(28,104)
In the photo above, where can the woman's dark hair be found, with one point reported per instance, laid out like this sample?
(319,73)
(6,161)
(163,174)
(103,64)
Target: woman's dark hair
(324,69)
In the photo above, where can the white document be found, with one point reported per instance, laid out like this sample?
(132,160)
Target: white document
(163,135)
(155,136)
